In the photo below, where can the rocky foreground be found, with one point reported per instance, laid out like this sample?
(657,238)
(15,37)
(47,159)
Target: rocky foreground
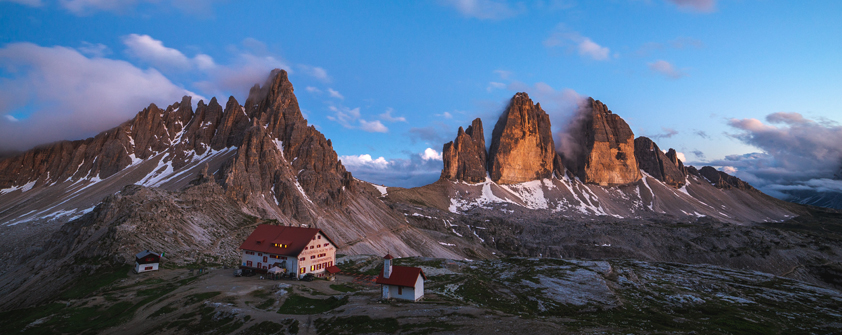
(513,295)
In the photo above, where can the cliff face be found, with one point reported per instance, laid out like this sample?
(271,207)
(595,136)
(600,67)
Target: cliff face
(723,180)
(658,165)
(465,158)
(606,148)
(522,147)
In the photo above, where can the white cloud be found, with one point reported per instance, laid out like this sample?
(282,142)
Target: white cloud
(250,66)
(429,154)
(729,170)
(94,93)
(666,68)
(484,9)
(11,118)
(404,172)
(314,90)
(589,48)
(704,6)
(315,72)
(388,116)
(584,46)
(344,115)
(364,160)
(503,74)
(94,50)
(333,93)
(445,115)
(494,85)
(373,126)
(153,51)
(680,156)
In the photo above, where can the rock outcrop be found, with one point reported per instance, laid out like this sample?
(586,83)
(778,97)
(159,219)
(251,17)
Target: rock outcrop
(522,147)
(653,161)
(673,157)
(605,153)
(465,157)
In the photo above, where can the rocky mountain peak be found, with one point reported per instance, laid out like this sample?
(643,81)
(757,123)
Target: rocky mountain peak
(651,159)
(673,157)
(522,147)
(605,147)
(465,157)
(723,180)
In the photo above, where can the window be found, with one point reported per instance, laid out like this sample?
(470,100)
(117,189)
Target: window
(312,267)
(320,237)
(259,265)
(318,245)
(264,259)
(327,244)
(301,259)
(301,270)
(260,254)
(400,290)
(284,258)
(249,252)
(248,263)
(147,268)
(313,257)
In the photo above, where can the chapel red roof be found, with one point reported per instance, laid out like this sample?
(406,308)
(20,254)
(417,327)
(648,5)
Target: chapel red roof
(265,236)
(405,276)
(388,256)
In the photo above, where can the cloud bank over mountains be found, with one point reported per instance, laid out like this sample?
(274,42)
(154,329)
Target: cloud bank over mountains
(798,153)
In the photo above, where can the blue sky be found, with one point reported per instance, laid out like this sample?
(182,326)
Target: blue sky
(391,79)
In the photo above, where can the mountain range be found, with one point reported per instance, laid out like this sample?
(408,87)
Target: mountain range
(194,183)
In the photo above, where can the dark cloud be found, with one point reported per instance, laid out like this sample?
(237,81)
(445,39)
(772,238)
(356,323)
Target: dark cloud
(668,133)
(434,135)
(699,154)
(702,134)
(798,153)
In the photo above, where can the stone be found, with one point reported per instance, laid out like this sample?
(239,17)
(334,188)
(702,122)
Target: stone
(605,147)
(465,158)
(653,161)
(522,147)
(723,180)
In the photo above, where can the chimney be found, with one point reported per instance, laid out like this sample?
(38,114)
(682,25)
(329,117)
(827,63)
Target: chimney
(387,266)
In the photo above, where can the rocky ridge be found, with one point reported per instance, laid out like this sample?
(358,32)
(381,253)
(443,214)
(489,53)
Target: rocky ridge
(658,165)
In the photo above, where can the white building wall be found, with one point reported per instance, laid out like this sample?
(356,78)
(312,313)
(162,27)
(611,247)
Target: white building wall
(311,256)
(419,288)
(142,267)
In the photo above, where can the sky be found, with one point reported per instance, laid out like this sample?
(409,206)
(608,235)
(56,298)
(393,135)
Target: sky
(752,87)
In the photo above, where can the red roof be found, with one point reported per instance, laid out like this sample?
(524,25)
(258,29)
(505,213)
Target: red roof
(405,276)
(296,238)
(388,256)
(332,269)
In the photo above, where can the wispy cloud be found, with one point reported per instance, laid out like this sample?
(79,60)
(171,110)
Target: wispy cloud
(334,94)
(484,9)
(152,51)
(667,133)
(312,89)
(316,72)
(573,41)
(373,126)
(666,68)
(701,133)
(387,115)
(680,43)
(94,50)
(493,85)
(89,7)
(701,6)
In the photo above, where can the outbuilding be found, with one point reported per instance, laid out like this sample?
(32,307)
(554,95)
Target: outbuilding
(400,282)
(146,261)
(298,250)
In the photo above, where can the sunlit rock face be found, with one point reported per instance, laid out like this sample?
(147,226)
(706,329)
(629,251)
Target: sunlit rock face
(522,147)
(464,158)
(605,153)
(660,166)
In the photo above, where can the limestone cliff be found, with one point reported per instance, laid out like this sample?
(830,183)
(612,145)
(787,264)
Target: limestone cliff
(605,153)
(658,165)
(465,158)
(522,147)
